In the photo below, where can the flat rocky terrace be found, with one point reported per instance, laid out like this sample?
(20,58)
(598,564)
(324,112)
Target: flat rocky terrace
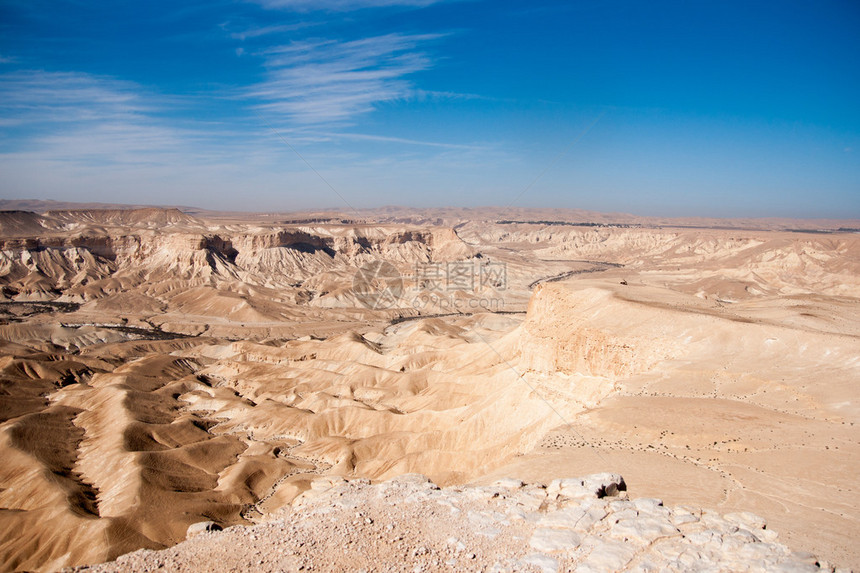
(410,524)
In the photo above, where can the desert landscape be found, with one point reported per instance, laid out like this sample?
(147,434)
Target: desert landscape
(429,286)
(164,367)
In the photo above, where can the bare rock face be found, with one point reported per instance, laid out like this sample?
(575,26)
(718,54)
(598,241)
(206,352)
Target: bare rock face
(410,524)
(560,334)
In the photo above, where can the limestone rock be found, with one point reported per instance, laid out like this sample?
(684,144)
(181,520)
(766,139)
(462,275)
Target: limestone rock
(409,524)
(554,540)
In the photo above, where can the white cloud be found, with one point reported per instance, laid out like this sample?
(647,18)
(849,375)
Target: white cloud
(74,136)
(79,118)
(403,140)
(330,81)
(65,96)
(256,32)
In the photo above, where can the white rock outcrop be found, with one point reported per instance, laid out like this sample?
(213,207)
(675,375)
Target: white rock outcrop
(410,524)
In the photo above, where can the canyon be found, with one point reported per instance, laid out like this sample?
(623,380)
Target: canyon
(162,367)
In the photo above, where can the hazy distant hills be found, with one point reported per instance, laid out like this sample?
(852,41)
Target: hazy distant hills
(455,215)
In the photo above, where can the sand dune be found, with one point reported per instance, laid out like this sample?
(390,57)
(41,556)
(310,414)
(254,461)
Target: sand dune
(158,369)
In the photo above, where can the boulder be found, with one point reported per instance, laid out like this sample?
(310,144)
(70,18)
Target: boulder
(201,527)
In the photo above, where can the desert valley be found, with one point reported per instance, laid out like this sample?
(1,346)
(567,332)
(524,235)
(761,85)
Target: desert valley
(165,367)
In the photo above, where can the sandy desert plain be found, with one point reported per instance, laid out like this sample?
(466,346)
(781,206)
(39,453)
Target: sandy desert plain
(164,367)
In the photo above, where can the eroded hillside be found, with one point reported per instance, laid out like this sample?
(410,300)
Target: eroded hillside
(160,370)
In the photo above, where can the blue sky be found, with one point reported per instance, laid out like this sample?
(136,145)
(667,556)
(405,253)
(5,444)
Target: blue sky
(655,108)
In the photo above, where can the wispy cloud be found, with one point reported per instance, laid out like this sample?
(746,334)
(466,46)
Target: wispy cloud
(77,117)
(38,96)
(399,140)
(69,135)
(430,95)
(341,5)
(258,31)
(317,82)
